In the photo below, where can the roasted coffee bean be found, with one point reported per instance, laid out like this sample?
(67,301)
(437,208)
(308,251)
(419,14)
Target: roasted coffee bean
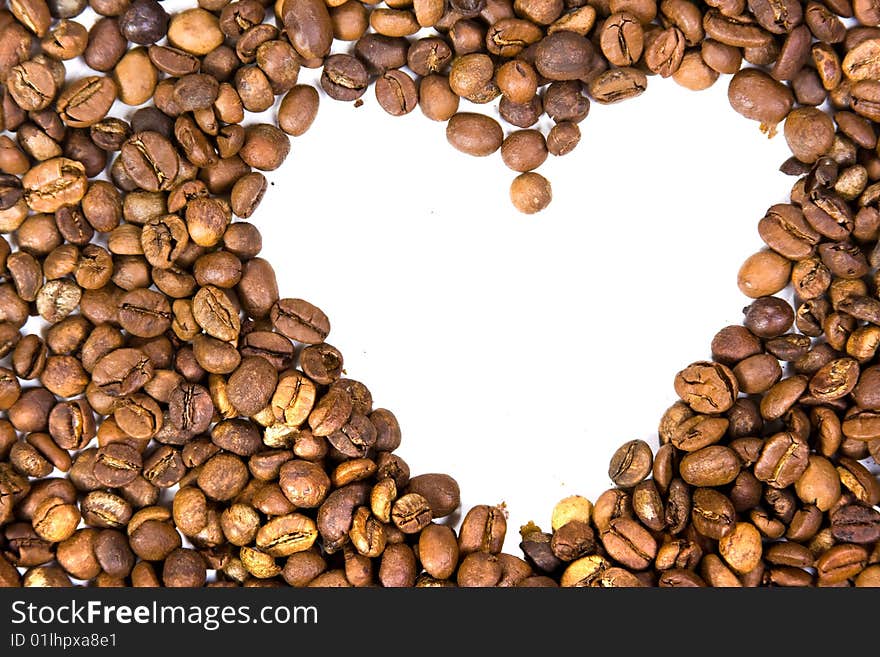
(54,183)
(618,84)
(757,96)
(530,192)
(304,483)
(215,313)
(783,459)
(265,147)
(483,529)
(437,101)
(286,535)
(117,464)
(336,513)
(566,55)
(86,101)
(251,385)
(300,321)
(440,490)
(840,562)
(855,523)
(710,466)
(713,513)
(622,39)
(144,313)
(411,513)
(298,109)
(438,551)
(707,387)
(150,160)
(223,477)
(741,548)
(396,93)
(164,467)
(629,543)
(630,464)
(474,134)
(355,438)
(344,78)
(214,334)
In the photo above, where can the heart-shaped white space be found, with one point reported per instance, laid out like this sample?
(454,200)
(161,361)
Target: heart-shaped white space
(519,351)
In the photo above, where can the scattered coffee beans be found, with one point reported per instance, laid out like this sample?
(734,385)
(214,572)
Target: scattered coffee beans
(171,360)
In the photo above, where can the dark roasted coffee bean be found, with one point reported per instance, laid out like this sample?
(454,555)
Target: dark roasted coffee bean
(344,78)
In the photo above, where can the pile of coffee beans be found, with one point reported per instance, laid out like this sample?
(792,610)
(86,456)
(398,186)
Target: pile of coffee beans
(177,422)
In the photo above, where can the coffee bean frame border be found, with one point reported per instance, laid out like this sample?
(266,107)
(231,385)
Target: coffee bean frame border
(200,421)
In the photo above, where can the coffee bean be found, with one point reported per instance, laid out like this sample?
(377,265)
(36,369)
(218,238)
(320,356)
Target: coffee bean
(757,96)
(54,183)
(144,313)
(707,387)
(622,39)
(713,513)
(573,540)
(629,543)
(530,192)
(286,535)
(437,101)
(32,85)
(809,133)
(223,477)
(190,408)
(54,520)
(741,548)
(396,93)
(298,110)
(710,466)
(86,101)
(841,562)
(354,438)
(474,134)
(855,523)
(783,459)
(304,483)
(265,147)
(562,101)
(336,513)
(630,464)
(251,385)
(564,56)
(768,317)
(617,85)
(150,160)
(483,529)
(563,138)
(309,27)
(440,490)
(479,569)
(104,509)
(300,321)
(116,465)
(164,467)
(411,513)
(438,551)
(344,78)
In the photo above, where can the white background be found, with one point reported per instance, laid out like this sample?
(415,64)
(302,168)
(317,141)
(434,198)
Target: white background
(519,351)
